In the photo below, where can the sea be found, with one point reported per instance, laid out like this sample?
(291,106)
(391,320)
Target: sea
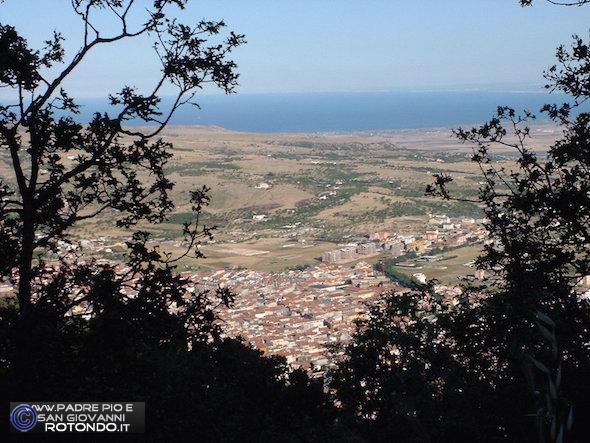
(347,112)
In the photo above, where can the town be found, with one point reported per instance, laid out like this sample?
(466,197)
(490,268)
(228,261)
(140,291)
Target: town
(305,315)
(300,314)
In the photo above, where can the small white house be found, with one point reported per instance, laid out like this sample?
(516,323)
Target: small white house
(419,277)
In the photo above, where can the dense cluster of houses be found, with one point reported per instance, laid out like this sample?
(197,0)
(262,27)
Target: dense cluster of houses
(300,314)
(443,232)
(297,314)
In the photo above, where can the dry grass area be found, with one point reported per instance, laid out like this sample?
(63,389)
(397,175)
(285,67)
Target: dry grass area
(268,255)
(456,263)
(319,188)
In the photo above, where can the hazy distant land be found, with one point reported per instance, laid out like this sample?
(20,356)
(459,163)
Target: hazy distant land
(280,200)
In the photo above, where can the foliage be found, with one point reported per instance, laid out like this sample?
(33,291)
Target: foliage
(387,266)
(66,171)
(557,2)
(86,331)
(220,390)
(406,378)
(426,368)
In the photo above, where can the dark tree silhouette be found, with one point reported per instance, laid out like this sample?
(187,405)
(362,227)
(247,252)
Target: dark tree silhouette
(513,354)
(66,172)
(137,331)
(115,168)
(558,3)
(539,217)
(405,379)
(136,349)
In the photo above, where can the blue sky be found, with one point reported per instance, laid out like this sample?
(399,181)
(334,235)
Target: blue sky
(340,45)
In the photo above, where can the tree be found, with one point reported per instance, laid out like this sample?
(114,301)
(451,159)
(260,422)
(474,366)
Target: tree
(558,3)
(526,325)
(115,168)
(539,218)
(404,379)
(137,330)
(213,390)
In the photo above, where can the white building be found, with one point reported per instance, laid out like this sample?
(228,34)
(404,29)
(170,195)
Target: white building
(419,277)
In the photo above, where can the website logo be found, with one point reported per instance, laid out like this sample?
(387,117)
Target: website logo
(23,418)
